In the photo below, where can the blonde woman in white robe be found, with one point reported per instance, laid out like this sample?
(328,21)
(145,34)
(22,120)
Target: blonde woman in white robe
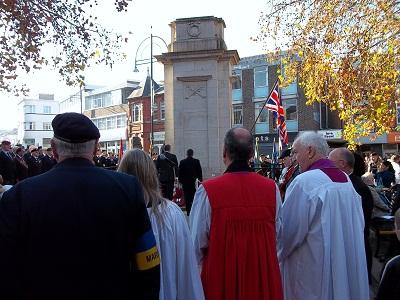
(180,277)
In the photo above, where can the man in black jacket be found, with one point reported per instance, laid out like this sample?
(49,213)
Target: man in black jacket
(345,161)
(167,167)
(77,231)
(7,165)
(189,171)
(48,160)
(34,163)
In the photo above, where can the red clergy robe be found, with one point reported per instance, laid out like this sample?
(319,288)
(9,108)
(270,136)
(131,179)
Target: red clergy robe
(241,261)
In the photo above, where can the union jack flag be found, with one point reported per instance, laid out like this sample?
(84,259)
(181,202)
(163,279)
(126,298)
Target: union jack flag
(274,104)
(283,136)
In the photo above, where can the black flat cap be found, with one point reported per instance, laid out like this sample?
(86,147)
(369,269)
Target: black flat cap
(74,128)
(285,153)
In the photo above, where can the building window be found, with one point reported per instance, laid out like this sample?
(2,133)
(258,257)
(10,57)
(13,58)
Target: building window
(260,81)
(110,122)
(155,111)
(260,76)
(29,142)
(162,110)
(262,121)
(102,124)
(237,79)
(237,115)
(99,100)
(137,113)
(46,142)
(88,103)
(291,89)
(121,121)
(47,109)
(290,108)
(47,126)
(237,85)
(29,125)
(29,109)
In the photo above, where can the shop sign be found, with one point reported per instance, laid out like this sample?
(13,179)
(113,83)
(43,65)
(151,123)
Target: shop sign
(331,134)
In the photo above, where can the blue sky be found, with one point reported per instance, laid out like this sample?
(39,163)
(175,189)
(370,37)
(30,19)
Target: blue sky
(241,19)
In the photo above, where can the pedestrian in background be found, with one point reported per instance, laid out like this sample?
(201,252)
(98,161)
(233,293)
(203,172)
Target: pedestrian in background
(189,172)
(167,168)
(48,160)
(7,164)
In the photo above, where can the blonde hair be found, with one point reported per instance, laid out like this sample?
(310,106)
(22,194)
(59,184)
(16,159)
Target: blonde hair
(138,163)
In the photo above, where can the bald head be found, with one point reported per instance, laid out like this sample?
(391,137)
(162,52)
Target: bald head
(238,145)
(343,159)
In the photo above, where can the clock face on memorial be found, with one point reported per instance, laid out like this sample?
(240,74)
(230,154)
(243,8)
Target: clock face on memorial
(193,30)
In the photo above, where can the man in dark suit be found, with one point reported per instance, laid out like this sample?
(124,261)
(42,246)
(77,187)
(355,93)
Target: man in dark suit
(48,161)
(345,161)
(77,231)
(20,164)
(167,167)
(33,162)
(7,165)
(189,171)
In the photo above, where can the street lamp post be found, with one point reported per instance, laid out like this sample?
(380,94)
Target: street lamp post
(145,61)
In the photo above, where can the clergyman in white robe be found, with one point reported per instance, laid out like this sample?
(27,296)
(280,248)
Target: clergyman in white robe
(320,243)
(180,276)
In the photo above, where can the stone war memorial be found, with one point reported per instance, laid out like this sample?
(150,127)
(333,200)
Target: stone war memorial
(198,94)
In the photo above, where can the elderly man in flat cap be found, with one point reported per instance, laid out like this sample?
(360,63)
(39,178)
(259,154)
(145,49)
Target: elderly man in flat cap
(77,231)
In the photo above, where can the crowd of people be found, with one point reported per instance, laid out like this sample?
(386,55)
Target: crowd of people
(78,231)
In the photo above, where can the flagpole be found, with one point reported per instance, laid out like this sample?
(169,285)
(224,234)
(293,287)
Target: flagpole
(266,100)
(278,122)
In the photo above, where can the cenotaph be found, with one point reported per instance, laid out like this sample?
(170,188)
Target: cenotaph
(198,94)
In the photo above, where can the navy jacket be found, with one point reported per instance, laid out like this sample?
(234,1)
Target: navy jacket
(75,232)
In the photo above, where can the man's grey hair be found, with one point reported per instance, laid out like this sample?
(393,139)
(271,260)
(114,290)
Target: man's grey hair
(69,150)
(314,140)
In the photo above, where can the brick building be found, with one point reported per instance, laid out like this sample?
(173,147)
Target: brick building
(139,118)
(252,80)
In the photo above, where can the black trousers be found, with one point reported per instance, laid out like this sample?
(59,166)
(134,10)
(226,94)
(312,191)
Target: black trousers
(188,194)
(167,189)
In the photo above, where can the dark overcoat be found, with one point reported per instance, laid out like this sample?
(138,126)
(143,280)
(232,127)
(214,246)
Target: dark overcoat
(73,233)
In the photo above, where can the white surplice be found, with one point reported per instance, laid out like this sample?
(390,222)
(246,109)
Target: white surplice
(321,243)
(180,277)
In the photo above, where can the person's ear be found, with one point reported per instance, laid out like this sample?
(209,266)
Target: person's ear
(96,146)
(311,152)
(55,150)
